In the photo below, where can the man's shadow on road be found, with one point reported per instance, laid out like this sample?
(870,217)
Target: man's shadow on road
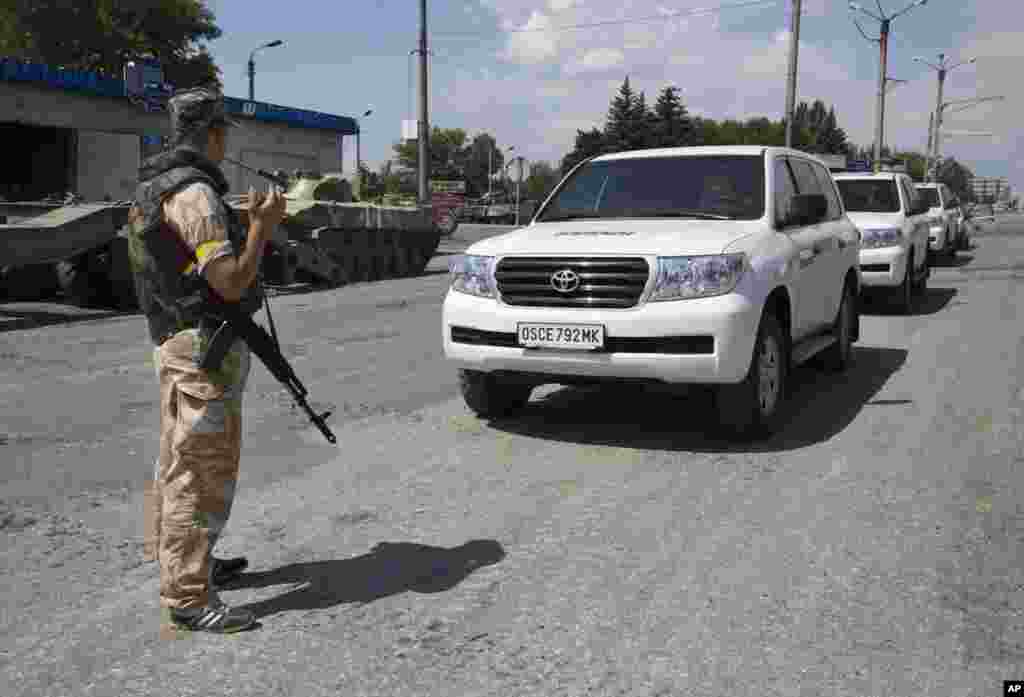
(388,569)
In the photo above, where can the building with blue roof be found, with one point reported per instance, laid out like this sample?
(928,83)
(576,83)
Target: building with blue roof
(67,130)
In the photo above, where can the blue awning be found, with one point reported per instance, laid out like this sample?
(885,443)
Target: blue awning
(13,70)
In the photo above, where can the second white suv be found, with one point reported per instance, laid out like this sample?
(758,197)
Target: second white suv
(722,266)
(893,222)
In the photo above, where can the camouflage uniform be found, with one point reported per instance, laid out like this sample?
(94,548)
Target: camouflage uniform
(188,504)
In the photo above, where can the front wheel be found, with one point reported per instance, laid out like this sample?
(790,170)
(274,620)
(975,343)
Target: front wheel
(905,293)
(839,356)
(752,409)
(490,397)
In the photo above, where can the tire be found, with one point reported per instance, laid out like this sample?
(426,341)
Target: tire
(748,410)
(921,285)
(839,356)
(950,251)
(489,397)
(905,295)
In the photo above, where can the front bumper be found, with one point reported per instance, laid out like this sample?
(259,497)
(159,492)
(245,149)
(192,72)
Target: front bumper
(883,267)
(702,340)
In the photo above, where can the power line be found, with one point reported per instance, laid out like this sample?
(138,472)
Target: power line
(612,22)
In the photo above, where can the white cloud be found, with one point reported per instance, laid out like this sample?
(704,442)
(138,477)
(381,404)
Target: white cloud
(535,45)
(597,60)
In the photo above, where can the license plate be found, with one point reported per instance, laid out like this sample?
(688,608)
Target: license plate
(583,337)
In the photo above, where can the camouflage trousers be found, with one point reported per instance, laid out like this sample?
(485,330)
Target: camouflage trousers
(190,498)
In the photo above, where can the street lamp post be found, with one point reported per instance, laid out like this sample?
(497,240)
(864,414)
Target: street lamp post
(883,43)
(942,69)
(252,66)
(359,130)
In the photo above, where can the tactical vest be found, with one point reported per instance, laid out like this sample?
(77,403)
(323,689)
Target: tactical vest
(172,299)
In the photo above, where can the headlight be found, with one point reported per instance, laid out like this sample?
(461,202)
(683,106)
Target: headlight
(880,237)
(473,275)
(697,277)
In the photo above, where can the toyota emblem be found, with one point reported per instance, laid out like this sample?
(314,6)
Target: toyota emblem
(565,281)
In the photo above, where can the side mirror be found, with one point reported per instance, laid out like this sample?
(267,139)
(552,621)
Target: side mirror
(807,209)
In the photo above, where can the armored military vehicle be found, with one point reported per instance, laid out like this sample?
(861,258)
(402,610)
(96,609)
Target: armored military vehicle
(80,249)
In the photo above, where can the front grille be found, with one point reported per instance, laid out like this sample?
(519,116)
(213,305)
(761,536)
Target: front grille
(479,337)
(604,282)
(674,345)
(883,268)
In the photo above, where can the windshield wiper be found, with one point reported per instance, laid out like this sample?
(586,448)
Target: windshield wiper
(675,213)
(568,216)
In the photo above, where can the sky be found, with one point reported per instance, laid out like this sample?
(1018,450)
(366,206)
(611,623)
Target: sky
(515,68)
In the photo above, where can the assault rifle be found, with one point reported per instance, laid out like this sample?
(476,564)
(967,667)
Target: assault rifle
(235,324)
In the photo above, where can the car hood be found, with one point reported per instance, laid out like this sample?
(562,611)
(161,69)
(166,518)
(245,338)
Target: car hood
(645,237)
(867,221)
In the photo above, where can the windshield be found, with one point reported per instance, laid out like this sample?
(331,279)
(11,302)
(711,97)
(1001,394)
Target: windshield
(724,187)
(930,196)
(869,195)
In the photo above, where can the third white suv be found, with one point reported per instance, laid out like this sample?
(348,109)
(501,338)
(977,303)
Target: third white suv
(722,266)
(942,209)
(893,222)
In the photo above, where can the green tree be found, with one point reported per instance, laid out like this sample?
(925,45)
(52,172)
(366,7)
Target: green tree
(956,177)
(447,153)
(588,144)
(541,180)
(672,126)
(915,162)
(483,153)
(628,123)
(103,35)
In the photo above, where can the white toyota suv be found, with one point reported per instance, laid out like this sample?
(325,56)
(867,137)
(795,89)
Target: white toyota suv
(893,222)
(943,232)
(721,266)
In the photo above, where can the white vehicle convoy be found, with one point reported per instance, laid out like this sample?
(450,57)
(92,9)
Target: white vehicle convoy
(893,222)
(719,266)
(943,231)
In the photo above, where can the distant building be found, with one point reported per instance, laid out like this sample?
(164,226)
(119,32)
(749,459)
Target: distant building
(72,131)
(990,188)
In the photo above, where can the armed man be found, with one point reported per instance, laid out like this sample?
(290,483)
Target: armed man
(185,241)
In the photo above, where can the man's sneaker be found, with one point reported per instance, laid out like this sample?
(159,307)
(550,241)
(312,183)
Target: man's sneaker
(219,619)
(227,570)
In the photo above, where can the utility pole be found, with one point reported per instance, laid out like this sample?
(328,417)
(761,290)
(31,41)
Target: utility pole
(942,69)
(928,150)
(883,42)
(933,154)
(883,55)
(424,129)
(794,46)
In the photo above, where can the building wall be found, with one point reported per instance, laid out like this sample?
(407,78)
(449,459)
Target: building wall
(110,132)
(270,147)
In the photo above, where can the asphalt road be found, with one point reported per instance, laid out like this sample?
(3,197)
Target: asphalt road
(872,548)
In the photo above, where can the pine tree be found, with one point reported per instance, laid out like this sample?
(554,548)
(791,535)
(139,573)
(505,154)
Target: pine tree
(588,144)
(622,119)
(672,124)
